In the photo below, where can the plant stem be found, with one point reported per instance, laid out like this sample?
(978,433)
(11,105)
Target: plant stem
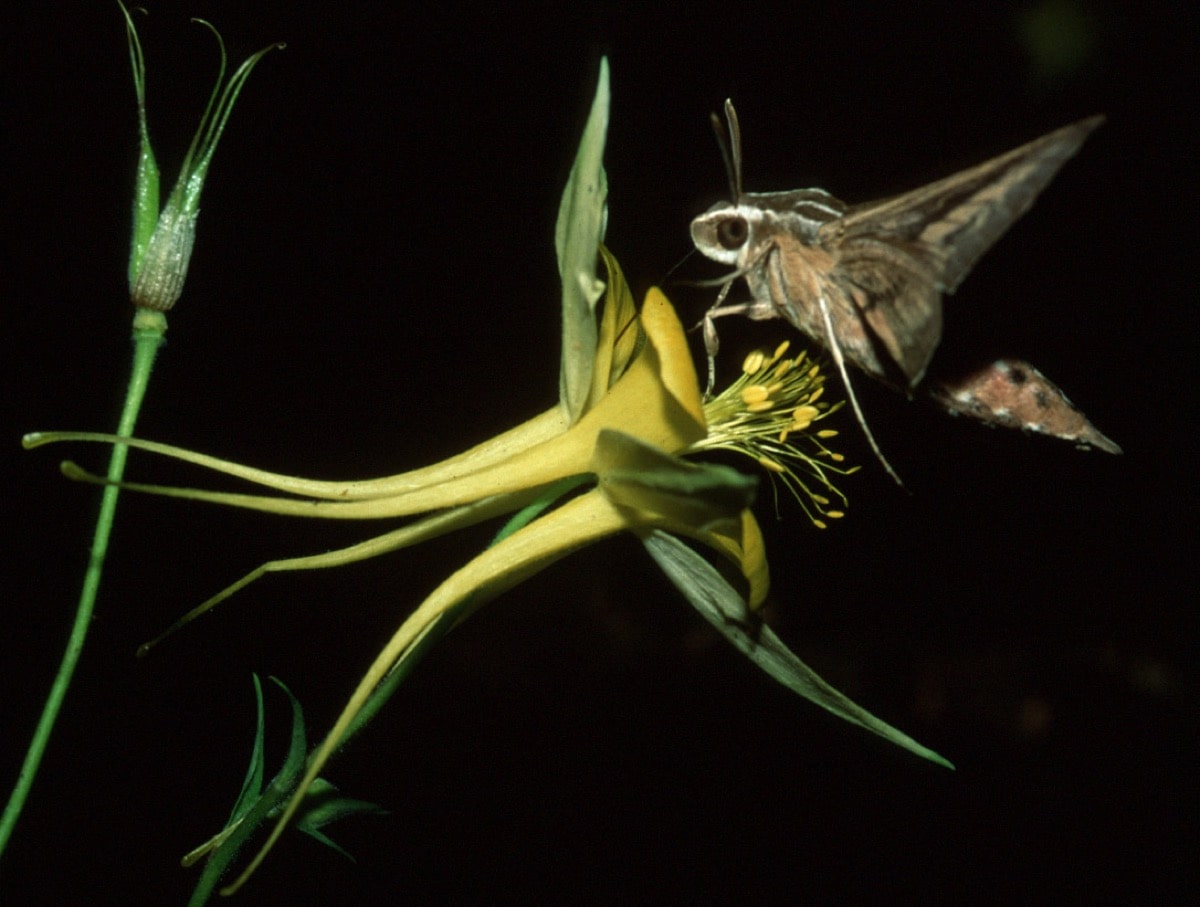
(148,330)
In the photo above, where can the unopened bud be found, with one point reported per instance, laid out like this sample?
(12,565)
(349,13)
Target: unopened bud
(163,269)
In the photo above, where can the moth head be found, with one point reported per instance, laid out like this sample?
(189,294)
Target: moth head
(724,231)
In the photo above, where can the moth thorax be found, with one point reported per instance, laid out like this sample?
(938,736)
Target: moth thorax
(802,211)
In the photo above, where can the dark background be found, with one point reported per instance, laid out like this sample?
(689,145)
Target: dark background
(374,287)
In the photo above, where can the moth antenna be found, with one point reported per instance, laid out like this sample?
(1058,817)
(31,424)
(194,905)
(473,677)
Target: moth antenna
(730,144)
(838,360)
(735,150)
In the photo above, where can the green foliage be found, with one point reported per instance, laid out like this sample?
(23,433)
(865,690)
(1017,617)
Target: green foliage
(254,805)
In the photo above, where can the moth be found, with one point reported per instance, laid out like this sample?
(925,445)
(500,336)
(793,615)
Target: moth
(866,281)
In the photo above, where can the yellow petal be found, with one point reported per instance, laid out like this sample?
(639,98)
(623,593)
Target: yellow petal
(658,398)
(749,552)
(620,333)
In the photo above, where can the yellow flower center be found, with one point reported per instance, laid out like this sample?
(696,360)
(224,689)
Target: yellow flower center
(768,415)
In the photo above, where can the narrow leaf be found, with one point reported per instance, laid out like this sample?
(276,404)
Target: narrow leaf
(252,786)
(327,807)
(297,746)
(223,849)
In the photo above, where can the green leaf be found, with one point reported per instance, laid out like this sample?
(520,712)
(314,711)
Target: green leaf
(252,786)
(222,849)
(293,765)
(577,237)
(717,601)
(326,807)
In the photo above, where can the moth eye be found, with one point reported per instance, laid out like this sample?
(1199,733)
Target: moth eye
(732,233)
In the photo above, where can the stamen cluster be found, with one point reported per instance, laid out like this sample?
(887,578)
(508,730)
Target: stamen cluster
(768,414)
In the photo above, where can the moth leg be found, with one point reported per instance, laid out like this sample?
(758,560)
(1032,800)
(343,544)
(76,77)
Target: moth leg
(835,350)
(711,342)
(752,309)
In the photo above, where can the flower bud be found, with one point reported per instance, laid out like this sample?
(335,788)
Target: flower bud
(163,268)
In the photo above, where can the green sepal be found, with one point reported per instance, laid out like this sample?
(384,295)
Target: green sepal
(638,475)
(577,235)
(726,610)
(145,192)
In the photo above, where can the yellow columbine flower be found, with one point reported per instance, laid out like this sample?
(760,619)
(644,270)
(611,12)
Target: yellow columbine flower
(654,400)
(627,440)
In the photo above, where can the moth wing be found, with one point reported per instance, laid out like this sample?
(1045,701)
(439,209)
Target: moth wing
(1014,394)
(903,252)
(949,224)
(897,295)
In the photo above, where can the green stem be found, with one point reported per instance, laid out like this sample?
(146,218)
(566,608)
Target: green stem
(148,330)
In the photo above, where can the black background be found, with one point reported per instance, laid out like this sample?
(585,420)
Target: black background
(374,287)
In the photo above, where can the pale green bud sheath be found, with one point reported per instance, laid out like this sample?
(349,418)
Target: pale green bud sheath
(160,252)
(162,240)
(145,192)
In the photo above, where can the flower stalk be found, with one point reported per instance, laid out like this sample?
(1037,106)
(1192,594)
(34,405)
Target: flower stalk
(160,251)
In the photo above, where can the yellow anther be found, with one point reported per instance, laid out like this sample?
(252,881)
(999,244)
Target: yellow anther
(754,393)
(768,463)
(768,414)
